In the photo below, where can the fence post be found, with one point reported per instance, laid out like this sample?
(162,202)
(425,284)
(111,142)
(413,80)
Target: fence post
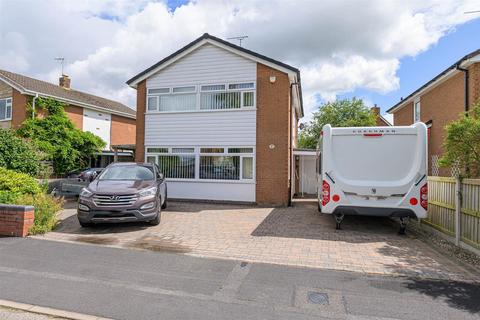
(458,213)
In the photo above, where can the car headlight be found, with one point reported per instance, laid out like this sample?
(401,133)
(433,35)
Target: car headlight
(85,193)
(148,192)
(83,207)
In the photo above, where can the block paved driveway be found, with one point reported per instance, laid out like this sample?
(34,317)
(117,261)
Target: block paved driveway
(297,235)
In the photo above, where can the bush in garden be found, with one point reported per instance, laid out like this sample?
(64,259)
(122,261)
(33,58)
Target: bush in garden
(17,183)
(18,154)
(46,208)
(22,189)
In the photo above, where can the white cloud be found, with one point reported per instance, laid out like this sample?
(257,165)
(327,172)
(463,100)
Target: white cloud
(339,47)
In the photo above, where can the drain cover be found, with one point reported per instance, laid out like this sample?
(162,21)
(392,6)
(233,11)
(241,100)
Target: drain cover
(317,297)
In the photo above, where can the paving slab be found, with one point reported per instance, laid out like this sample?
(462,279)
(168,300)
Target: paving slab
(296,236)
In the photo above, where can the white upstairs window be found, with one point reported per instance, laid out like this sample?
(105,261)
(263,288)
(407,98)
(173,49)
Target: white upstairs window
(217,96)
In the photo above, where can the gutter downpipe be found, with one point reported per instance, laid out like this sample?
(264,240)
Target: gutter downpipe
(33,105)
(290,136)
(466,78)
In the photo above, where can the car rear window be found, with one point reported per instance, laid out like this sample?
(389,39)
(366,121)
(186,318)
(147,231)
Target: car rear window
(127,173)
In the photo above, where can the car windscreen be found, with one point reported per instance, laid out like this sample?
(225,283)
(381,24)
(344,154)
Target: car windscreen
(127,173)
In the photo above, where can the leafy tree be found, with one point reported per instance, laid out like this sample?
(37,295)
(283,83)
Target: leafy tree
(340,113)
(54,133)
(462,143)
(17,153)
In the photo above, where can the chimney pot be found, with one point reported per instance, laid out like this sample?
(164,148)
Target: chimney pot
(64,81)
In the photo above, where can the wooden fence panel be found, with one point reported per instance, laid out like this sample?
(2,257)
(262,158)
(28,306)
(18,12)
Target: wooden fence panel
(441,204)
(470,227)
(441,208)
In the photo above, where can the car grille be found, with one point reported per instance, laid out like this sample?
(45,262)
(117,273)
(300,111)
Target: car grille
(114,200)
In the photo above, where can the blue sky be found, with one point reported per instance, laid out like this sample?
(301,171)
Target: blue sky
(415,71)
(389,46)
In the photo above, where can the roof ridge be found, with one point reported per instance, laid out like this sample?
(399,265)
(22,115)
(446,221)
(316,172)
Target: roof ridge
(18,80)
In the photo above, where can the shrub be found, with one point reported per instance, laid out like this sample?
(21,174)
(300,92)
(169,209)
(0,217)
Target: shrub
(462,143)
(46,208)
(68,147)
(18,154)
(13,183)
(22,189)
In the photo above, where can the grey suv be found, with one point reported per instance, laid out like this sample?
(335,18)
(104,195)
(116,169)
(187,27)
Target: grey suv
(124,192)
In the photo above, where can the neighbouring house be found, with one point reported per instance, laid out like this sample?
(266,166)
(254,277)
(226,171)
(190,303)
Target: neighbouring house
(440,101)
(112,121)
(220,121)
(381,121)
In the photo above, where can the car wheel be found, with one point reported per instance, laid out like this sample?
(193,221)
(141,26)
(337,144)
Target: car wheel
(84,224)
(164,205)
(156,221)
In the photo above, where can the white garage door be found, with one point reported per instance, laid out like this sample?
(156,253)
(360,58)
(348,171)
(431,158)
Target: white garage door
(98,123)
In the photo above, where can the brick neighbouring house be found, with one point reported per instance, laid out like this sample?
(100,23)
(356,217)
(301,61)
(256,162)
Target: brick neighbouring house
(381,121)
(108,119)
(221,122)
(440,101)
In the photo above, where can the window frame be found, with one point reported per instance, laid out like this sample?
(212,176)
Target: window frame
(416,102)
(198,154)
(8,105)
(198,93)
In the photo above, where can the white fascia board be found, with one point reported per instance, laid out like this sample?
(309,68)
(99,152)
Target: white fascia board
(467,63)
(290,73)
(439,81)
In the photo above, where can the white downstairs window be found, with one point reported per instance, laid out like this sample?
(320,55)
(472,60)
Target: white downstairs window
(204,163)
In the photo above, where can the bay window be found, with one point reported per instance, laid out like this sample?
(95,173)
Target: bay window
(204,163)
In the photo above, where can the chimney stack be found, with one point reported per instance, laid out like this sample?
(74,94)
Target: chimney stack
(64,81)
(376,110)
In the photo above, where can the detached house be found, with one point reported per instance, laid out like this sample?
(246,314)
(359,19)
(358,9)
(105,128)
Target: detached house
(440,101)
(112,121)
(220,121)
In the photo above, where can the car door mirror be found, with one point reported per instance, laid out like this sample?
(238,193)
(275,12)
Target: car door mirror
(161,176)
(92,176)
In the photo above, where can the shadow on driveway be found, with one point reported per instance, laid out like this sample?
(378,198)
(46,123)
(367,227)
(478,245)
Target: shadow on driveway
(458,295)
(303,221)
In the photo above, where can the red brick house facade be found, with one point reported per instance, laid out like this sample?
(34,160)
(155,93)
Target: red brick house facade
(441,101)
(110,120)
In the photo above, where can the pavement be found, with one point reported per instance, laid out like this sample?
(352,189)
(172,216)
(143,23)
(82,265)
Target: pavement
(140,284)
(295,236)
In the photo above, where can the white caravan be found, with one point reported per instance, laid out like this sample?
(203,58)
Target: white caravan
(374,171)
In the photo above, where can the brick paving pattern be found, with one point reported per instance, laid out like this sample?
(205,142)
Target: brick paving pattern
(298,236)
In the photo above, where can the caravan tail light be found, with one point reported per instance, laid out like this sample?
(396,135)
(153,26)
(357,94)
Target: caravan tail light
(325,193)
(424,196)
